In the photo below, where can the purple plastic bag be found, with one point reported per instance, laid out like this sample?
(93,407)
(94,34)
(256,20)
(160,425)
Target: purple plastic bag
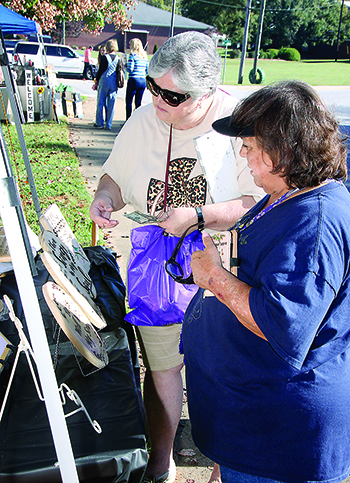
(155,297)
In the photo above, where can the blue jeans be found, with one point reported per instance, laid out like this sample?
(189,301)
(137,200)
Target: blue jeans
(88,67)
(231,476)
(106,96)
(135,88)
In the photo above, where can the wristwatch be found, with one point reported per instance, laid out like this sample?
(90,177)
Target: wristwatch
(200,218)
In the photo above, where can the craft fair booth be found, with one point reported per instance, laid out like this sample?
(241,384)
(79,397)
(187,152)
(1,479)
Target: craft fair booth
(71,408)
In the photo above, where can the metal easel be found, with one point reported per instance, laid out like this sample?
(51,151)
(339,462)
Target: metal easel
(25,347)
(24,269)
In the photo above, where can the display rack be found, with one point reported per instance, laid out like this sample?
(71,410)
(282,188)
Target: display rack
(24,269)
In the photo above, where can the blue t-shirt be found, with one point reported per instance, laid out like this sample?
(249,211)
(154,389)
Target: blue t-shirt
(280,408)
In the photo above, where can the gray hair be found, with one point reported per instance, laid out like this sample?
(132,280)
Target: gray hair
(193,61)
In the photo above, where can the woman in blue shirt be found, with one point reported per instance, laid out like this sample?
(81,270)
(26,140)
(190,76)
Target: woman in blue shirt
(268,354)
(137,68)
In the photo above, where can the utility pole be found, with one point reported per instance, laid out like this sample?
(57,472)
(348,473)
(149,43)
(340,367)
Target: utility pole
(338,37)
(258,39)
(171,32)
(245,41)
(226,43)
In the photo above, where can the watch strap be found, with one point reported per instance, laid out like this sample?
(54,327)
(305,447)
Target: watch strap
(200,218)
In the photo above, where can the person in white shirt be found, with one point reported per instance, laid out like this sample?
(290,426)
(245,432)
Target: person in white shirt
(184,75)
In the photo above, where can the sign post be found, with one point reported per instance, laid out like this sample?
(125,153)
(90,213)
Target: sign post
(226,43)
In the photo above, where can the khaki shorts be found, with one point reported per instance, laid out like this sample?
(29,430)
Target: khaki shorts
(160,346)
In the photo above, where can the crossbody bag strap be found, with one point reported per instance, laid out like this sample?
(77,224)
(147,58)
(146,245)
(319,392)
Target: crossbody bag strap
(167,167)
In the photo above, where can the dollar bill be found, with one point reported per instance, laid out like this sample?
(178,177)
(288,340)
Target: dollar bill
(140,217)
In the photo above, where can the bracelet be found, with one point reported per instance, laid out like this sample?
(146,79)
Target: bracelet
(200,218)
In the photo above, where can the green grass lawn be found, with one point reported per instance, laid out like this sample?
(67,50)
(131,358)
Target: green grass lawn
(56,175)
(315,72)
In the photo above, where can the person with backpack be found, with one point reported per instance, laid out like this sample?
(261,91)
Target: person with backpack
(106,80)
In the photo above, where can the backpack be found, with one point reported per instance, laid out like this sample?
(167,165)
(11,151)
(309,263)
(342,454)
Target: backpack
(120,74)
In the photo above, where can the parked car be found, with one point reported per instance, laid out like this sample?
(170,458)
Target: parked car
(66,61)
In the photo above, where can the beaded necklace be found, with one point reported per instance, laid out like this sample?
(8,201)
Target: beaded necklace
(244,222)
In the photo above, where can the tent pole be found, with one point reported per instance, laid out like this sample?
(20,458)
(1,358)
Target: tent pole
(17,240)
(9,209)
(15,106)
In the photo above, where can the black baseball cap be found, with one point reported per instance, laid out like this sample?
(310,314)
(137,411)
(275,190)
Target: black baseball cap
(227,127)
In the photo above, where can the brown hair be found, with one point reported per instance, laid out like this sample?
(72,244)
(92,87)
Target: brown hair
(295,128)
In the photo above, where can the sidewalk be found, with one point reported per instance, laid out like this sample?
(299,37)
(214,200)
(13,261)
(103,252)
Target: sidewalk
(93,147)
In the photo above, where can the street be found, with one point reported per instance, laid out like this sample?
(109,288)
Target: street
(337,98)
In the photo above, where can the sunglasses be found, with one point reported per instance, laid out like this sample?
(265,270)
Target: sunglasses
(172,98)
(173,268)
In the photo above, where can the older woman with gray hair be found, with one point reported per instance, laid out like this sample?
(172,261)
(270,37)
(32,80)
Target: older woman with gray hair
(154,166)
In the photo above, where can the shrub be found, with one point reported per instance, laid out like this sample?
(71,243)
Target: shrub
(289,53)
(234,54)
(75,47)
(155,48)
(271,53)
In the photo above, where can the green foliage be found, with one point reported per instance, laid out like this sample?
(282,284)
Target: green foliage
(92,14)
(234,54)
(289,53)
(165,5)
(295,22)
(155,48)
(290,23)
(56,174)
(271,53)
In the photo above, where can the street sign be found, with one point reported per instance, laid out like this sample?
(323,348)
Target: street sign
(226,42)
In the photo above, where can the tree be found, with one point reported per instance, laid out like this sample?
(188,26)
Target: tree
(93,13)
(165,5)
(228,16)
(288,23)
(299,22)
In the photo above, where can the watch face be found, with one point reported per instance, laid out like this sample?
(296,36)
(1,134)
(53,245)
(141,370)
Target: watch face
(75,325)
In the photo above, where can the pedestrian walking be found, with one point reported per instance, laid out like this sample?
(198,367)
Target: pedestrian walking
(137,68)
(88,63)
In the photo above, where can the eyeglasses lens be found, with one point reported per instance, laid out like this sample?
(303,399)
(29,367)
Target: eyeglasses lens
(173,99)
(153,88)
(174,270)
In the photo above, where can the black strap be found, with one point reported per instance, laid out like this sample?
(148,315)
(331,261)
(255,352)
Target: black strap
(200,218)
